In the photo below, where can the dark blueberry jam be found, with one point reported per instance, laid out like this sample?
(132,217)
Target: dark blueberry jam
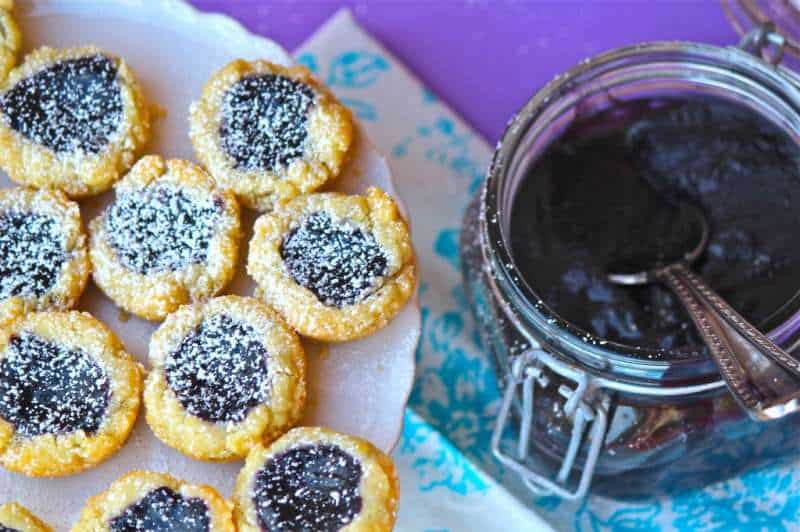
(219,371)
(46,388)
(163,510)
(6,529)
(265,121)
(161,229)
(339,263)
(74,105)
(31,254)
(313,488)
(595,193)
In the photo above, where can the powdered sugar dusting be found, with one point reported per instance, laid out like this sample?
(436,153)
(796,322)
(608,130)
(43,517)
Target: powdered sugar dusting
(265,121)
(47,388)
(160,229)
(163,510)
(219,371)
(308,488)
(73,105)
(31,254)
(339,263)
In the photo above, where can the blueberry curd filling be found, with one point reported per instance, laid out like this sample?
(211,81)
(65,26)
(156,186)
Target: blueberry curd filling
(594,194)
(161,229)
(163,510)
(339,263)
(31,254)
(265,121)
(73,105)
(219,371)
(308,488)
(47,388)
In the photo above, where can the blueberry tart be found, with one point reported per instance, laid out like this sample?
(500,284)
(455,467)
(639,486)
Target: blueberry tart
(226,375)
(10,38)
(269,132)
(315,479)
(337,267)
(69,393)
(16,518)
(44,263)
(73,119)
(155,502)
(170,237)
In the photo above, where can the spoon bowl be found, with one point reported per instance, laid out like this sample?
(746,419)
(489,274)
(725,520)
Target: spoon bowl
(681,236)
(762,377)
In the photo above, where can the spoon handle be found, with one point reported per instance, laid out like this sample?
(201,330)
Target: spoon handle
(763,378)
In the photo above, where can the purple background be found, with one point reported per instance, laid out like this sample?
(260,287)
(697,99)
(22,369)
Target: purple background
(487,57)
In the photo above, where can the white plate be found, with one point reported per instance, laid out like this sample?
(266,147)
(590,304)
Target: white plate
(359,387)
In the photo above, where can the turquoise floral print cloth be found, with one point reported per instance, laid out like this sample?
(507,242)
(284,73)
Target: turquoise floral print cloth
(449,480)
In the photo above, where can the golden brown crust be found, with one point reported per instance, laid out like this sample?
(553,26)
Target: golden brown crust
(10,38)
(69,286)
(224,441)
(17,517)
(50,455)
(330,135)
(77,174)
(375,213)
(129,489)
(379,488)
(155,295)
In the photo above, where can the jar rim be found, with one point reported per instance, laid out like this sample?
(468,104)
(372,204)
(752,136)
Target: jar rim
(637,364)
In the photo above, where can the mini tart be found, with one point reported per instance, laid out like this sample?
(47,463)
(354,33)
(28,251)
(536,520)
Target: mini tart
(317,479)
(58,131)
(226,376)
(44,263)
(10,38)
(156,502)
(170,237)
(269,132)
(17,518)
(87,393)
(336,267)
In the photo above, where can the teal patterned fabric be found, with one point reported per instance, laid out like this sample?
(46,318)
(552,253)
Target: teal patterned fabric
(438,165)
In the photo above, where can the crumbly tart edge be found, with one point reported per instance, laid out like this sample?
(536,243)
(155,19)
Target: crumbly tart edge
(78,175)
(128,489)
(65,454)
(17,517)
(10,38)
(69,287)
(375,213)
(154,296)
(379,489)
(330,137)
(225,441)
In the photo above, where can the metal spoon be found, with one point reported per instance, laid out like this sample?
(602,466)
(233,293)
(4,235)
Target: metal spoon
(763,378)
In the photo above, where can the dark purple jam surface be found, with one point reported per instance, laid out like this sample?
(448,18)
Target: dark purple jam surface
(339,263)
(265,121)
(163,510)
(31,254)
(219,371)
(160,229)
(313,488)
(74,105)
(602,187)
(6,529)
(46,388)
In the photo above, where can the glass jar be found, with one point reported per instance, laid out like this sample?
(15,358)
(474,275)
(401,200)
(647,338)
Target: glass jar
(584,411)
